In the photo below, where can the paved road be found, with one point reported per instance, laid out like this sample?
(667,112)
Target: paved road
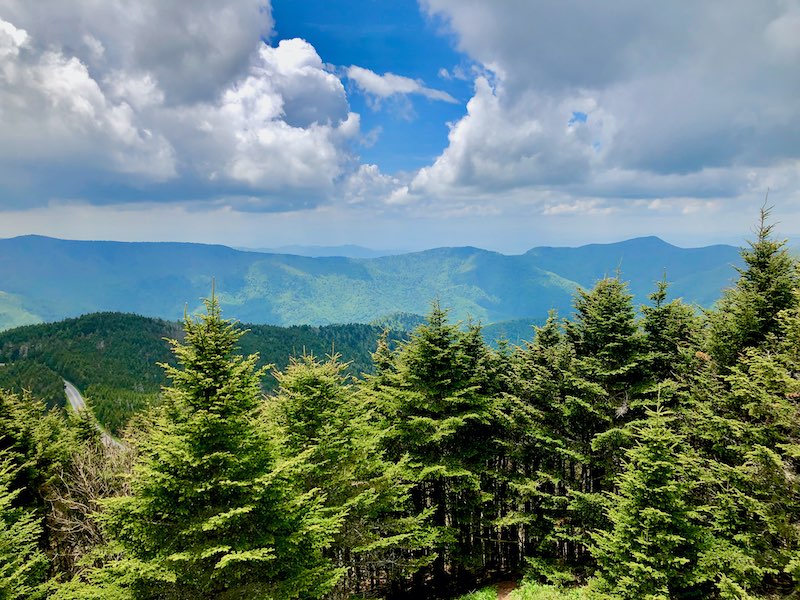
(78,404)
(76,401)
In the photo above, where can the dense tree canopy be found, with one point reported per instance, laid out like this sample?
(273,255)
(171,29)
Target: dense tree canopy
(649,454)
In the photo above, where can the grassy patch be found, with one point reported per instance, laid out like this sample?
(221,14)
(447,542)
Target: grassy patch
(532,591)
(535,591)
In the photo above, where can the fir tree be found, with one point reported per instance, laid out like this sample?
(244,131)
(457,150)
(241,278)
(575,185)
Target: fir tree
(652,548)
(538,443)
(605,379)
(606,339)
(669,329)
(23,566)
(749,431)
(747,313)
(441,422)
(212,514)
(319,413)
(39,446)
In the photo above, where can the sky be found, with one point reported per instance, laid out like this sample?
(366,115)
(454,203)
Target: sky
(394,124)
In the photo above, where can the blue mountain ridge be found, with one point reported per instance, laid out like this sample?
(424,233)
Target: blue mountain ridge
(45,279)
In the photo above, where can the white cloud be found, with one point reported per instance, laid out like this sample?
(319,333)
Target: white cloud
(671,111)
(53,110)
(368,186)
(505,142)
(190,49)
(140,91)
(277,136)
(582,207)
(783,34)
(387,85)
(285,128)
(11,40)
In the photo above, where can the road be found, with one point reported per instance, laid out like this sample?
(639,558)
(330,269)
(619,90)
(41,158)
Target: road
(78,405)
(76,401)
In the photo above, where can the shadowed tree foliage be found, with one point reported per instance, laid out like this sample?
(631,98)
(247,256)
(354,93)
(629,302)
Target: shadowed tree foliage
(441,419)
(318,413)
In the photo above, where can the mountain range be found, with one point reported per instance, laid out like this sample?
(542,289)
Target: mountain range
(45,279)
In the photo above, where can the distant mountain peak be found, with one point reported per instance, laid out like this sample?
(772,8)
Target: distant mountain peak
(644,242)
(45,279)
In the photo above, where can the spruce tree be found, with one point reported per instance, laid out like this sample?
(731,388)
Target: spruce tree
(606,339)
(749,432)
(39,445)
(318,413)
(23,566)
(539,445)
(747,313)
(651,550)
(605,379)
(212,513)
(442,424)
(741,414)
(670,328)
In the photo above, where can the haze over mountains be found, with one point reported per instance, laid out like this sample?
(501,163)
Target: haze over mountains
(345,250)
(46,279)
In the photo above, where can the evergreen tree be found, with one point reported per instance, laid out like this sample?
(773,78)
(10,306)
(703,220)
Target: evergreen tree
(741,413)
(23,566)
(748,430)
(442,423)
(38,446)
(539,445)
(212,514)
(651,551)
(669,329)
(606,339)
(605,379)
(318,413)
(747,313)
(39,442)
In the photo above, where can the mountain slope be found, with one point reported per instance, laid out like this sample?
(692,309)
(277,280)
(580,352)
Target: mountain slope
(46,279)
(114,357)
(695,274)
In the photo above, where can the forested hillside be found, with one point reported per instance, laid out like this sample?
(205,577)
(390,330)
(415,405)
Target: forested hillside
(624,452)
(114,358)
(44,279)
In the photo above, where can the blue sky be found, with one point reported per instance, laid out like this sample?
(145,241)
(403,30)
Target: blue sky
(398,124)
(393,37)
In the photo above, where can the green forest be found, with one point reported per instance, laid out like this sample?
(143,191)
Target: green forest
(115,358)
(624,452)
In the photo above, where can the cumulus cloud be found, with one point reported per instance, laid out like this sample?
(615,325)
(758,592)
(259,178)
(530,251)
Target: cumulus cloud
(191,49)
(368,186)
(380,87)
(530,140)
(95,104)
(286,125)
(577,109)
(51,109)
(675,100)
